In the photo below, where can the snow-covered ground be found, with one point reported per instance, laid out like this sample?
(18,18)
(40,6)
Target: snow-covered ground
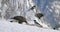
(11,8)
(6,26)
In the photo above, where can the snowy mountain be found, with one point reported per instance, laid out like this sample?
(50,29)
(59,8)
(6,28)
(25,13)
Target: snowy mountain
(49,8)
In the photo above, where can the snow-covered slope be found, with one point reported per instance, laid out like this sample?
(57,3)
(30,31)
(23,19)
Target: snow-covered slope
(50,9)
(6,26)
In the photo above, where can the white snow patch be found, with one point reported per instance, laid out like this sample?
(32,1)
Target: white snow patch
(6,26)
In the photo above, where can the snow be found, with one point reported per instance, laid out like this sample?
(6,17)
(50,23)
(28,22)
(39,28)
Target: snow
(6,26)
(11,8)
(50,9)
